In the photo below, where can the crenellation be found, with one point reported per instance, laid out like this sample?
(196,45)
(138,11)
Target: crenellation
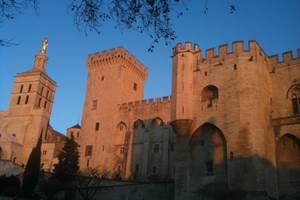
(187,48)
(287,57)
(210,54)
(116,55)
(165,99)
(238,47)
(223,50)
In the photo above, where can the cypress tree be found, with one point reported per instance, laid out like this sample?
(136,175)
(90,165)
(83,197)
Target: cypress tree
(32,170)
(68,162)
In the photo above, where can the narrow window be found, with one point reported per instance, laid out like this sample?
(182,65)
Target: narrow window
(102,147)
(14,160)
(14,135)
(77,134)
(40,101)
(231,155)
(205,73)
(42,91)
(234,67)
(154,170)
(97,126)
(29,88)
(26,100)
(102,78)
(88,150)
(21,88)
(45,104)
(137,167)
(172,147)
(209,167)
(156,148)
(295,103)
(88,163)
(44,152)
(134,86)
(19,100)
(47,94)
(72,134)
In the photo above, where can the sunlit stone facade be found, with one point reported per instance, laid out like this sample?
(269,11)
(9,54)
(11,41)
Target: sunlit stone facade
(232,113)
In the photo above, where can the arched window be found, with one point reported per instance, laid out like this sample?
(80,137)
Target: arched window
(294,95)
(209,94)
(27,99)
(21,88)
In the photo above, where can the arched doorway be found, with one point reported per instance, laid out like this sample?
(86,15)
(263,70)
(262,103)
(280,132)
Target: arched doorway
(288,164)
(208,158)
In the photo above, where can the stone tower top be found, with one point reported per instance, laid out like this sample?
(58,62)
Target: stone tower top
(117,55)
(41,59)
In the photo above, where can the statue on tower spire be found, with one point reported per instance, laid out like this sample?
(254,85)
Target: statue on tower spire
(44,45)
(41,59)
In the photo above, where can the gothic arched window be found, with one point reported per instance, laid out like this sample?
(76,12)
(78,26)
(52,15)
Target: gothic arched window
(294,95)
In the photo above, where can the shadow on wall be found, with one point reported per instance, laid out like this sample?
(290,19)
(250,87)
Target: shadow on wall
(211,175)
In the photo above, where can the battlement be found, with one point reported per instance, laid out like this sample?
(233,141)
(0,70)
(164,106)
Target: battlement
(152,101)
(287,59)
(116,55)
(238,48)
(188,47)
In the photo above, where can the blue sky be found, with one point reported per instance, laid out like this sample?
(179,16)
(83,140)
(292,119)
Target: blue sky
(275,24)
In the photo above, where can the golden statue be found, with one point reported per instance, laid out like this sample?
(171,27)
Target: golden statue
(44,45)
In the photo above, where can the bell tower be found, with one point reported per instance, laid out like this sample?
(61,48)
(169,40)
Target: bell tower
(30,106)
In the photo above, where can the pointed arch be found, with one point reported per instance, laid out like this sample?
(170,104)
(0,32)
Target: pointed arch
(157,121)
(288,163)
(208,154)
(139,124)
(293,94)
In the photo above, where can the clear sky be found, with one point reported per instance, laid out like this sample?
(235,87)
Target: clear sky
(275,24)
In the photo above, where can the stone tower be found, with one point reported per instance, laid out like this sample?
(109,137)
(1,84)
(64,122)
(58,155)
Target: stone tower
(114,77)
(184,60)
(29,110)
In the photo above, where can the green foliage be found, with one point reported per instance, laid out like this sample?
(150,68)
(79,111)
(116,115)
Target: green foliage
(32,170)
(9,186)
(68,164)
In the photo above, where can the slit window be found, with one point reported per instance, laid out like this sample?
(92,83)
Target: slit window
(134,86)
(97,126)
(209,167)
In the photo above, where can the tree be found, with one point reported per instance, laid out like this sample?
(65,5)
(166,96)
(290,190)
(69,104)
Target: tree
(87,183)
(32,169)
(68,162)
(152,17)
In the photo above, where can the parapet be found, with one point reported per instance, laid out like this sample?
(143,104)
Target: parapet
(153,101)
(116,55)
(287,59)
(187,48)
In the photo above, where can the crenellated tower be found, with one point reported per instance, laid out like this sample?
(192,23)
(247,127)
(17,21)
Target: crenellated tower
(114,77)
